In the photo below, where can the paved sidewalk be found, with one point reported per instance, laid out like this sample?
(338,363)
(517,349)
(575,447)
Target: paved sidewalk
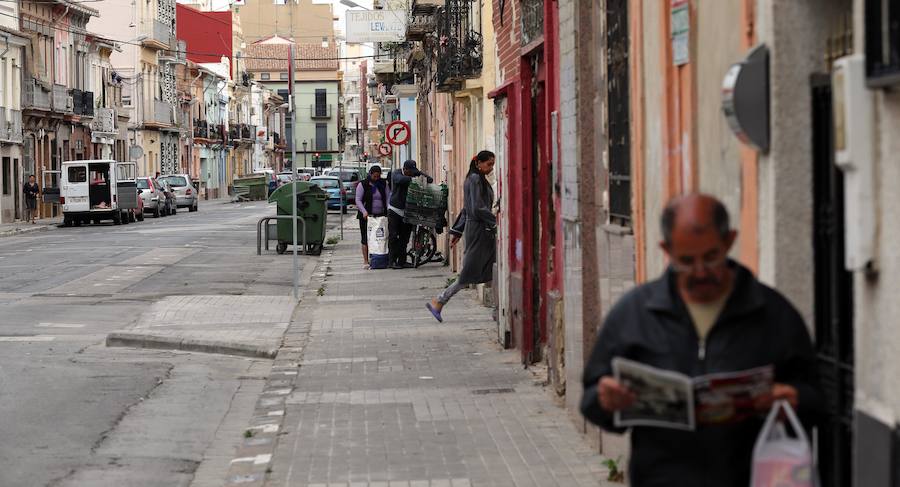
(20,228)
(370,391)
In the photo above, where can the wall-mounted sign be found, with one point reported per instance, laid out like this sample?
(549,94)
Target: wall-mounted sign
(376,26)
(745,98)
(681,32)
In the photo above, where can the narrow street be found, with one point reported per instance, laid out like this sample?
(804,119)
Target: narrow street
(77,412)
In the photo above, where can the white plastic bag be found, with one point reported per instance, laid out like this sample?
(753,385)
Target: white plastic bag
(780,460)
(378,235)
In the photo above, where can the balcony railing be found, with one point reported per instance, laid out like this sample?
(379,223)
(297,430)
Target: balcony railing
(323,145)
(87,103)
(11,126)
(159,35)
(459,54)
(532,21)
(205,130)
(241,133)
(320,111)
(62,102)
(83,102)
(34,96)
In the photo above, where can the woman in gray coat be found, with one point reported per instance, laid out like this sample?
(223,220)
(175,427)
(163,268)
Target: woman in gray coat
(479,225)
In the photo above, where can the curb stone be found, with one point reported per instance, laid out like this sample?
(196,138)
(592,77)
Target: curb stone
(253,457)
(144,340)
(24,231)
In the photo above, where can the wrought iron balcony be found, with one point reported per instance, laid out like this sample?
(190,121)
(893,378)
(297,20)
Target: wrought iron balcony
(10,126)
(82,102)
(460,47)
(320,110)
(201,129)
(532,21)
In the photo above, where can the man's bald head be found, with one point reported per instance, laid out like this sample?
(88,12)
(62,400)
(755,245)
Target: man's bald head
(696,212)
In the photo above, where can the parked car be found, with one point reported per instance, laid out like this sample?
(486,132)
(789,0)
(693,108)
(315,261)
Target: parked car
(350,177)
(171,202)
(152,195)
(186,195)
(336,192)
(307,173)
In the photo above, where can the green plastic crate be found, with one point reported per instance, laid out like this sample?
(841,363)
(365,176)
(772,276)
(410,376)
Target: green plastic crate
(431,196)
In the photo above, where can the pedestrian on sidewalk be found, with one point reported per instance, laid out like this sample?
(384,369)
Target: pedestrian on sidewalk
(706,314)
(479,225)
(372,199)
(31,191)
(398,230)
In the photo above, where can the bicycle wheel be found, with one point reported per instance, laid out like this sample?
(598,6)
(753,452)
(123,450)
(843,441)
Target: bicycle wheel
(431,245)
(424,246)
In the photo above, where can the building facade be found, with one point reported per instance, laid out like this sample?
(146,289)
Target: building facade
(317,105)
(13,171)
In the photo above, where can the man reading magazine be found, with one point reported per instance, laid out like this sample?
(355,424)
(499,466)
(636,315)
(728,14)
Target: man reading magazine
(706,315)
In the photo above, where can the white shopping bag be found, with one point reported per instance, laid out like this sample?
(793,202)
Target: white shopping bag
(378,235)
(779,459)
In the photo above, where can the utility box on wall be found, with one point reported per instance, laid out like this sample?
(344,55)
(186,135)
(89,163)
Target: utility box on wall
(854,153)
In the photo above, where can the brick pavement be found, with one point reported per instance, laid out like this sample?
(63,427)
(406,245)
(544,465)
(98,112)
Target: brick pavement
(370,391)
(250,325)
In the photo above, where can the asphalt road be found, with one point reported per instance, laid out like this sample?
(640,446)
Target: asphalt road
(75,412)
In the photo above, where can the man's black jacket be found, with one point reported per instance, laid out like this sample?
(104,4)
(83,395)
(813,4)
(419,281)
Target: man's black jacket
(651,325)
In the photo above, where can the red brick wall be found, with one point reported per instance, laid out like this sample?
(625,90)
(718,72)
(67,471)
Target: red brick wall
(509,39)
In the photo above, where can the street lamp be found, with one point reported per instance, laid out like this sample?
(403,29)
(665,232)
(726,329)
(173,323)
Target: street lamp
(352,4)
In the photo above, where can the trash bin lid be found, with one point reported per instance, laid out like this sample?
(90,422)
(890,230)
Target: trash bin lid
(285,191)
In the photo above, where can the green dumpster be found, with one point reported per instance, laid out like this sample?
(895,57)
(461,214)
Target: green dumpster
(311,206)
(253,187)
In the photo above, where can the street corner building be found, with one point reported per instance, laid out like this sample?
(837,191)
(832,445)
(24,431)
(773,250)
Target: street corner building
(600,112)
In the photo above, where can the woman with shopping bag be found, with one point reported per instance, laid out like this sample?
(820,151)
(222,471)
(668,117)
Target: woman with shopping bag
(372,197)
(478,224)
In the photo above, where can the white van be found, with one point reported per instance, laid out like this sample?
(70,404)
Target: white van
(98,190)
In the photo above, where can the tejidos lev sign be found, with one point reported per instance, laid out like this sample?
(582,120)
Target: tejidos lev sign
(376,26)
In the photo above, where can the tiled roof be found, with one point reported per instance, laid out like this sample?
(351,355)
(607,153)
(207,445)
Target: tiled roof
(274,57)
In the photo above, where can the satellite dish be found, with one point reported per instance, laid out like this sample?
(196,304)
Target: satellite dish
(135,152)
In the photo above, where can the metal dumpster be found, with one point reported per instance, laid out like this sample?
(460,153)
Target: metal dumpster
(311,206)
(257,186)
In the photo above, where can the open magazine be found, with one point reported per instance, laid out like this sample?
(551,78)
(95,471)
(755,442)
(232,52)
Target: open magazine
(672,400)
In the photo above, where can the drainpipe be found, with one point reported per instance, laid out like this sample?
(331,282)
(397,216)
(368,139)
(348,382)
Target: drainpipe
(6,45)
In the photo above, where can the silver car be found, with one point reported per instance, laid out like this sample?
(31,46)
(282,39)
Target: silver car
(151,191)
(186,195)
